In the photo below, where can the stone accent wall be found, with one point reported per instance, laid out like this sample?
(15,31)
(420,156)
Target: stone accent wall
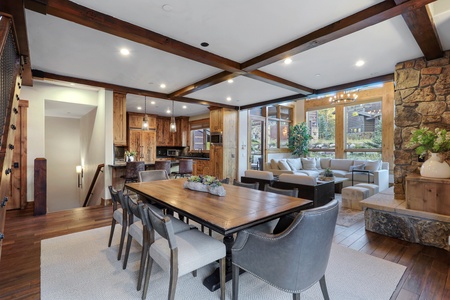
(422,98)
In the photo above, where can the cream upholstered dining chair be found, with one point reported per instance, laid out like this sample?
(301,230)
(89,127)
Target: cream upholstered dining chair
(292,260)
(136,231)
(180,253)
(119,216)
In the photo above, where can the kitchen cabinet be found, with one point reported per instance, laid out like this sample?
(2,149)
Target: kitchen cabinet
(216,120)
(144,143)
(202,167)
(135,120)
(166,138)
(119,119)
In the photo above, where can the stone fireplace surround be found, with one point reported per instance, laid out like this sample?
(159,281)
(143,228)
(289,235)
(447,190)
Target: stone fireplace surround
(422,98)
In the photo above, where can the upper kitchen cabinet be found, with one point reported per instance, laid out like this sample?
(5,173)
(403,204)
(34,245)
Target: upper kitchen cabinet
(119,119)
(216,119)
(144,143)
(166,138)
(135,120)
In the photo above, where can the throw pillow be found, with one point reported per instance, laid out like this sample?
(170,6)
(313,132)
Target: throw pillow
(309,163)
(373,165)
(325,163)
(283,165)
(294,163)
(357,167)
(318,162)
(273,164)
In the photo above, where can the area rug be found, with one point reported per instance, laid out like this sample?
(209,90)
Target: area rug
(347,216)
(81,266)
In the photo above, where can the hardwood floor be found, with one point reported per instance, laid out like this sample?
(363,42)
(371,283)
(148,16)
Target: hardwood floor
(427,275)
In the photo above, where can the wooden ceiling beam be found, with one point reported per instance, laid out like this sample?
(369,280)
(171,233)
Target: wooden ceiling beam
(373,15)
(277,81)
(123,89)
(82,15)
(202,84)
(420,23)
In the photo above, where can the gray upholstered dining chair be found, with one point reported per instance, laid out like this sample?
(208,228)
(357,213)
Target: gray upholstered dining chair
(138,231)
(254,185)
(293,260)
(152,175)
(287,192)
(120,215)
(180,253)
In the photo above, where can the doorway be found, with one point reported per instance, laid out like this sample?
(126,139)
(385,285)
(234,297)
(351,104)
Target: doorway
(257,143)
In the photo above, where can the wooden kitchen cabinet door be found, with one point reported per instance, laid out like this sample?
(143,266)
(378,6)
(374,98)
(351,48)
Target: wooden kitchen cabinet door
(148,145)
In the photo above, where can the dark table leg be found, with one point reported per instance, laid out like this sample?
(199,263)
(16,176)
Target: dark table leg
(212,282)
(338,187)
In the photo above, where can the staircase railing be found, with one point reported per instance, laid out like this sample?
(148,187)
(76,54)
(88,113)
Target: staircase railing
(93,182)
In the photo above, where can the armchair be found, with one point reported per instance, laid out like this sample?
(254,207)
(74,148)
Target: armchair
(293,260)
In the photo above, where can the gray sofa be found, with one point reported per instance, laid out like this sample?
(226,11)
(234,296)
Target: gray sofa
(379,171)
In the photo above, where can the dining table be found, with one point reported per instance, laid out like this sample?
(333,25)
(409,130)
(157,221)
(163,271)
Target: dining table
(239,209)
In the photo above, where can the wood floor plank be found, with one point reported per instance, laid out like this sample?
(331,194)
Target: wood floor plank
(427,275)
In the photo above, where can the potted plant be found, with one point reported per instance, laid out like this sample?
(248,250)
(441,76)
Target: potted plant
(299,138)
(130,155)
(327,175)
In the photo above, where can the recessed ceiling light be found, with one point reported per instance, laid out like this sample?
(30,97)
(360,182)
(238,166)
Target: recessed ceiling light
(184,106)
(139,108)
(124,51)
(287,60)
(360,63)
(152,102)
(72,84)
(317,75)
(162,85)
(168,111)
(228,98)
(230,80)
(204,44)
(167,7)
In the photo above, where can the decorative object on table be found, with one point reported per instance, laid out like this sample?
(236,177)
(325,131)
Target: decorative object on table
(327,175)
(205,184)
(437,141)
(299,138)
(129,155)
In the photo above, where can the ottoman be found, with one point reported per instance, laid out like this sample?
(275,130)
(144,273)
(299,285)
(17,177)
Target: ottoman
(373,188)
(352,195)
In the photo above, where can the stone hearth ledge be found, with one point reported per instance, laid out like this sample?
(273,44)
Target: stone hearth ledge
(385,215)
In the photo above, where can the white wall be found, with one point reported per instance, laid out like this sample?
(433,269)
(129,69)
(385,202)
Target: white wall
(62,145)
(36,119)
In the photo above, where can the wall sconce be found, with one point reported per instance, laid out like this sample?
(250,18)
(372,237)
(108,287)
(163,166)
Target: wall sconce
(79,170)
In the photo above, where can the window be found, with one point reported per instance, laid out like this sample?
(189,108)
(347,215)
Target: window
(363,131)
(200,134)
(279,121)
(321,125)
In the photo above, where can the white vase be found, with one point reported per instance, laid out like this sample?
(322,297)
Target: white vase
(433,167)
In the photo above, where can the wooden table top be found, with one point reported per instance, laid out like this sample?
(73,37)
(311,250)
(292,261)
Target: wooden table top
(239,209)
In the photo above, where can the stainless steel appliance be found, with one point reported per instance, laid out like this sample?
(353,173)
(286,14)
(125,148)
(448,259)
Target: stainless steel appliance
(216,138)
(173,152)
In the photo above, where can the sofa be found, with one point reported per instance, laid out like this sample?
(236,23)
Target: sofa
(379,170)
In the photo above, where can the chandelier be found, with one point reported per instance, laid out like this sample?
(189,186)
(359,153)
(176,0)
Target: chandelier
(343,98)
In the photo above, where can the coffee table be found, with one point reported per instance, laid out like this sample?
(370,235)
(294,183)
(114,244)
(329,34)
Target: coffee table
(338,183)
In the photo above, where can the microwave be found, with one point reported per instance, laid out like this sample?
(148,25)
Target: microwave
(173,152)
(216,138)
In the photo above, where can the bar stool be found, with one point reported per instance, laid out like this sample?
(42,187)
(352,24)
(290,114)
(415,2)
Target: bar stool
(163,165)
(132,171)
(185,168)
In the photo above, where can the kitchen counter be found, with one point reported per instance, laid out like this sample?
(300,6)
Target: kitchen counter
(147,164)
(182,157)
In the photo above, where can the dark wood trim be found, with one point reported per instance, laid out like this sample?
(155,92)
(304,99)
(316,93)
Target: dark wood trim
(280,82)
(422,27)
(354,84)
(274,101)
(37,74)
(373,15)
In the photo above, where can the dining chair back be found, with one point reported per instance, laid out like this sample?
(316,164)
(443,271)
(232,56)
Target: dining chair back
(180,253)
(163,165)
(132,170)
(153,175)
(120,215)
(305,246)
(185,167)
(288,192)
(253,185)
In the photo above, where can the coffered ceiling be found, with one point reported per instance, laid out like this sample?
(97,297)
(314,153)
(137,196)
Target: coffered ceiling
(80,42)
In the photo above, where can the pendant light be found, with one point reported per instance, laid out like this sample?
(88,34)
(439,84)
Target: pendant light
(173,125)
(145,120)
